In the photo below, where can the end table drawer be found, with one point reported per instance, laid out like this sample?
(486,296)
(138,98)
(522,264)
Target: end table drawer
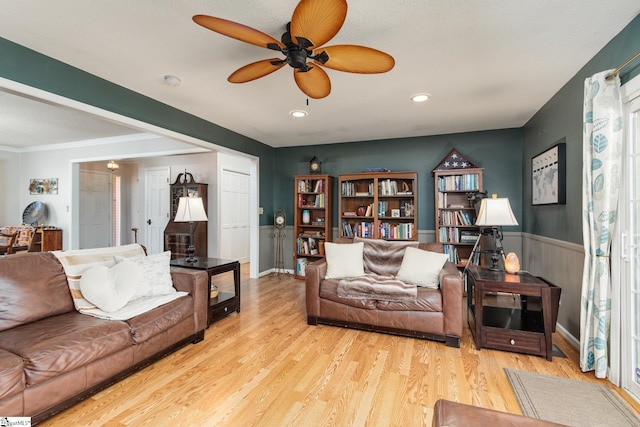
(223,309)
(532,343)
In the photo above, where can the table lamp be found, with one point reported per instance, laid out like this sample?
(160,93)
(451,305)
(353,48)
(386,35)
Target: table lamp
(495,213)
(191,210)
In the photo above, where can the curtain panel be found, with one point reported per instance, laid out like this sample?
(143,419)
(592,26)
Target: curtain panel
(603,137)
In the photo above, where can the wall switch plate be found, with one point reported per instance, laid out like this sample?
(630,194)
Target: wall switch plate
(260,210)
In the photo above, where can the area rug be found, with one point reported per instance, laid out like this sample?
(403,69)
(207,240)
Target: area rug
(570,402)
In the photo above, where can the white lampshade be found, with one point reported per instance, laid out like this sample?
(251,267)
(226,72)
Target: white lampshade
(496,212)
(190,209)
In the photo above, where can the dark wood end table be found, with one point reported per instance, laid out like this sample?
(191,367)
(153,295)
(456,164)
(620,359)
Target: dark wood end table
(225,303)
(516,327)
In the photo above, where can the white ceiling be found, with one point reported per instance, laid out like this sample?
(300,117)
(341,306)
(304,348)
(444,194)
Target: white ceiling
(488,64)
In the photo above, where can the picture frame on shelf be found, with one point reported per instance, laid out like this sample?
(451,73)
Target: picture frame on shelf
(395,213)
(549,176)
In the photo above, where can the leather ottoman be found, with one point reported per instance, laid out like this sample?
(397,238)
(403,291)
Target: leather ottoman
(453,414)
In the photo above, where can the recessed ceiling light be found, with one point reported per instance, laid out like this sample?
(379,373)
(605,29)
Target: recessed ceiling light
(172,80)
(298,113)
(420,97)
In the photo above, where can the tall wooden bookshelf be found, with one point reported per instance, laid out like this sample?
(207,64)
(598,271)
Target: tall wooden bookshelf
(312,219)
(176,234)
(455,214)
(380,205)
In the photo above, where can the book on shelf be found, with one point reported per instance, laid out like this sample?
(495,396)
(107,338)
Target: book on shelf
(301,265)
(469,236)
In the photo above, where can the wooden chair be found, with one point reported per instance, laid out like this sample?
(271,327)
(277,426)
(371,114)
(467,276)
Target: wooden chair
(7,241)
(24,239)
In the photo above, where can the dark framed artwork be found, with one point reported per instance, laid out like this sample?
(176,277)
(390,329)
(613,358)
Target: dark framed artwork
(549,176)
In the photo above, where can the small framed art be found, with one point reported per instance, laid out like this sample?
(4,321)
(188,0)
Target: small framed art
(549,176)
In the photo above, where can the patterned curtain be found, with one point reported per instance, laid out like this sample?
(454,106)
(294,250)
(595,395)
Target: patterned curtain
(603,133)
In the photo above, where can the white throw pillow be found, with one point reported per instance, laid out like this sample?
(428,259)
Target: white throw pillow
(156,275)
(344,260)
(422,268)
(111,288)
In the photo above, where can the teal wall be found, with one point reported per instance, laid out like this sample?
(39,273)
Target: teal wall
(499,152)
(505,154)
(26,66)
(560,118)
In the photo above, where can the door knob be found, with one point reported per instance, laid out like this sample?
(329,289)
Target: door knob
(149,221)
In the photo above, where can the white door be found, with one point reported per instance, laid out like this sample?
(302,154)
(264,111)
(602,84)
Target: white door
(234,213)
(95,210)
(157,208)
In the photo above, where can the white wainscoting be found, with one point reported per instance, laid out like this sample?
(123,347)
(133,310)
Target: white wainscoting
(560,263)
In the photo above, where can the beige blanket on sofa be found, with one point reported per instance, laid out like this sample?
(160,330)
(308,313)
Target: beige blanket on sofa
(372,286)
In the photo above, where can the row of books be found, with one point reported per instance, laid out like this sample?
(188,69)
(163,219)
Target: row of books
(350,189)
(310,186)
(385,230)
(454,257)
(315,201)
(456,235)
(396,231)
(357,229)
(456,218)
(444,202)
(390,188)
(470,181)
(309,246)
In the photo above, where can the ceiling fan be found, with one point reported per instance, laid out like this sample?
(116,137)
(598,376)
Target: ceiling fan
(314,23)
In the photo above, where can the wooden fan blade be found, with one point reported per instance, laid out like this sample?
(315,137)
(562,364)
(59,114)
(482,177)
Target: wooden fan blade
(236,31)
(357,59)
(314,83)
(318,20)
(255,70)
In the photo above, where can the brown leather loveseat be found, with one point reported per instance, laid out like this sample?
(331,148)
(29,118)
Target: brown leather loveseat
(434,314)
(52,356)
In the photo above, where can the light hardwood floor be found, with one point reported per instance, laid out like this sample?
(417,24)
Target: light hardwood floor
(266,367)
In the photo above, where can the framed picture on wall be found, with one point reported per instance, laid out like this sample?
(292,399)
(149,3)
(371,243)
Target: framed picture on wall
(549,176)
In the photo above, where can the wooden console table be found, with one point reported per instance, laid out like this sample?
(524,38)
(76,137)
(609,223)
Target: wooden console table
(225,303)
(513,326)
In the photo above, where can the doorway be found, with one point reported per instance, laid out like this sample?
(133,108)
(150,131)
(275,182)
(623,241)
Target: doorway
(95,210)
(630,246)
(156,207)
(235,221)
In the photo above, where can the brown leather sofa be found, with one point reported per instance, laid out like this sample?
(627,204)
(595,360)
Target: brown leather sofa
(51,356)
(453,414)
(436,314)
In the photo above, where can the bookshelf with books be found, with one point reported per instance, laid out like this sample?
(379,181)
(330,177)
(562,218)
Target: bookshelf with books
(454,212)
(312,219)
(378,205)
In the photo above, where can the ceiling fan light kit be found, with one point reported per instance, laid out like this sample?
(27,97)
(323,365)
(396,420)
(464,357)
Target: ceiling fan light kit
(314,23)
